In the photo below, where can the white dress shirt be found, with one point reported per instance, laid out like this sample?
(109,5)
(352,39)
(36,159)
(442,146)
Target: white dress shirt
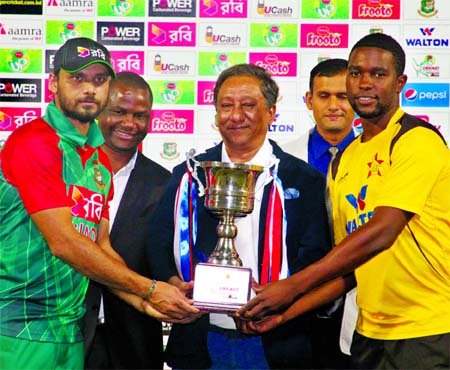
(246,241)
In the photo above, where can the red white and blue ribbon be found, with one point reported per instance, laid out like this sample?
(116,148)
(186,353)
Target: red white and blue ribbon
(274,266)
(185,221)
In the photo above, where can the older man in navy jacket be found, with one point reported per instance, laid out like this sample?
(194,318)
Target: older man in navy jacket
(245,100)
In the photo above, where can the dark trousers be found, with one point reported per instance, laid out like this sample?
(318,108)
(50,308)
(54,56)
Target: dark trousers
(98,357)
(431,352)
(326,352)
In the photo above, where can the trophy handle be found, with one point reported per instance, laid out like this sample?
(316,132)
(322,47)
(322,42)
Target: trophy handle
(190,156)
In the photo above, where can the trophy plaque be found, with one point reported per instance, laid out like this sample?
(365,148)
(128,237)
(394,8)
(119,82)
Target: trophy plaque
(222,284)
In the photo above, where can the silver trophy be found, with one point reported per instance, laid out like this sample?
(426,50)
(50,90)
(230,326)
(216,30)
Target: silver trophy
(222,284)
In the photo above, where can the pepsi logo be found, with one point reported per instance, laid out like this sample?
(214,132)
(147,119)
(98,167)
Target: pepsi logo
(411,94)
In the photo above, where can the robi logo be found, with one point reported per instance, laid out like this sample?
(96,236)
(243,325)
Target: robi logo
(411,94)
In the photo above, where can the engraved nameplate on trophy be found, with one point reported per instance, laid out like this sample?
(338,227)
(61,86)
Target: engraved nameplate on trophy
(222,284)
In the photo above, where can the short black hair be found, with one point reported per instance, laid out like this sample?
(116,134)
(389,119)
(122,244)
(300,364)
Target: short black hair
(327,68)
(269,87)
(132,79)
(385,42)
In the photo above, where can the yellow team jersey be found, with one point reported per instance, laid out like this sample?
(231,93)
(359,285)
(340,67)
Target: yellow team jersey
(403,292)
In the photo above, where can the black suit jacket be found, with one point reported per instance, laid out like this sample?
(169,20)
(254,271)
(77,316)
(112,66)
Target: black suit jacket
(134,340)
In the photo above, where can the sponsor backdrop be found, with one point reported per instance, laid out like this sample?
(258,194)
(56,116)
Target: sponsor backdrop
(180,46)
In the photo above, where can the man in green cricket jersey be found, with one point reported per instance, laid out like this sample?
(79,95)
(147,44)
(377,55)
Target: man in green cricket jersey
(55,184)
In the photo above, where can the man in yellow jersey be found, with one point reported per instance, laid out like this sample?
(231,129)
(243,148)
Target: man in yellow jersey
(390,192)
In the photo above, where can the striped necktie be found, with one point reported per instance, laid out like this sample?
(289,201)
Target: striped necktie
(333,151)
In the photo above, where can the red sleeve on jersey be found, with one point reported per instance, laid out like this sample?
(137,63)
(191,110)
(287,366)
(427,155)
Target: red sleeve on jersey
(32,162)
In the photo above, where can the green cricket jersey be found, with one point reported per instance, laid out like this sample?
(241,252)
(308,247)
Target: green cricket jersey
(47,164)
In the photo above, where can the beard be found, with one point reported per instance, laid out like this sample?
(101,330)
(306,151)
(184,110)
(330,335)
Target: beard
(378,111)
(77,112)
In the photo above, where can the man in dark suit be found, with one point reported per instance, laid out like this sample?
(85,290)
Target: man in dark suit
(119,336)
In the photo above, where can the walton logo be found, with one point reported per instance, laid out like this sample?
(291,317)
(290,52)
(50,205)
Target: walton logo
(428,40)
(427,31)
(359,204)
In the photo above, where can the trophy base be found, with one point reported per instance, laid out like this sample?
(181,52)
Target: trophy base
(221,288)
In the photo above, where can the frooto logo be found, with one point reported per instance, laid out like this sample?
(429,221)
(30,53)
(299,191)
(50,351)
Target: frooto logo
(434,95)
